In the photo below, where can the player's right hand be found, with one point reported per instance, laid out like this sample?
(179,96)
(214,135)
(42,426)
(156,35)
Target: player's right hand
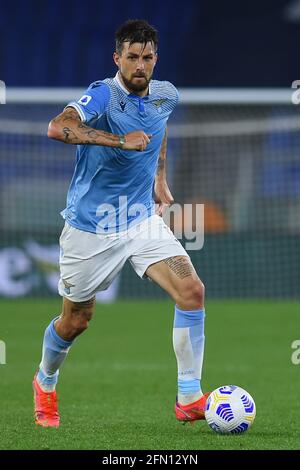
(136,140)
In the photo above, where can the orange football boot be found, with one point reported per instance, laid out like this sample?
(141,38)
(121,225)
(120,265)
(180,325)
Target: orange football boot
(193,411)
(45,407)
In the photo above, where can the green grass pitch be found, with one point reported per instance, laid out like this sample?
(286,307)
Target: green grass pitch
(118,385)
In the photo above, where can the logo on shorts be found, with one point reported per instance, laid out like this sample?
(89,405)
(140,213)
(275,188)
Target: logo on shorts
(68,286)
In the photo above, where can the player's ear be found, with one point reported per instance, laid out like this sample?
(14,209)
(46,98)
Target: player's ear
(116,58)
(155,58)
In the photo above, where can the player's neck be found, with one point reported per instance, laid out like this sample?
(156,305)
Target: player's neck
(142,93)
(137,93)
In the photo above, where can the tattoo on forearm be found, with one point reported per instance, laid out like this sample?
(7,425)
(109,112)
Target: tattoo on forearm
(69,135)
(180,265)
(161,164)
(80,133)
(94,133)
(86,135)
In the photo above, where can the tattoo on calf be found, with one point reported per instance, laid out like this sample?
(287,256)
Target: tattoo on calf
(180,265)
(77,306)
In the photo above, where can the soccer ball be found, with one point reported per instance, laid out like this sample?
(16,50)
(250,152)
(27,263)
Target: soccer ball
(230,410)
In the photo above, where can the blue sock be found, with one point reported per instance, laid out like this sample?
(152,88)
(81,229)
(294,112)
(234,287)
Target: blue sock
(188,342)
(55,350)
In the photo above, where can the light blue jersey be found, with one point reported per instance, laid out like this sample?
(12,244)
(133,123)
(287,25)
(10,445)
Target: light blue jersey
(111,188)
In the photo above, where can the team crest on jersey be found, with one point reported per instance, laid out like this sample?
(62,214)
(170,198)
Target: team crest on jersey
(158,103)
(85,99)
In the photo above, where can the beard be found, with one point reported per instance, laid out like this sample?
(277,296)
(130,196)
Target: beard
(134,87)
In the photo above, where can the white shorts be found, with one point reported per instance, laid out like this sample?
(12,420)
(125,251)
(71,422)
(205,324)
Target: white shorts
(90,262)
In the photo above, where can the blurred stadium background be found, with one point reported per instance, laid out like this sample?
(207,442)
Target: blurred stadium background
(234,144)
(233,149)
(229,150)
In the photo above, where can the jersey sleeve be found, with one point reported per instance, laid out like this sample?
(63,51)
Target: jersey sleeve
(173,94)
(93,102)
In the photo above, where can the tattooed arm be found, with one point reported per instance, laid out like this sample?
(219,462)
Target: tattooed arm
(161,164)
(68,128)
(162,192)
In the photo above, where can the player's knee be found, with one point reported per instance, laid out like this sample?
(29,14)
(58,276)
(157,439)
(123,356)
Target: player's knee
(78,316)
(80,321)
(192,296)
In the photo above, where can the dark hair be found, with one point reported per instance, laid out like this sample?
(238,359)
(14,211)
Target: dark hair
(135,31)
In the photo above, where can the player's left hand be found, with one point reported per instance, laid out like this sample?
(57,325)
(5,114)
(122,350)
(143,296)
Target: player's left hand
(163,196)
